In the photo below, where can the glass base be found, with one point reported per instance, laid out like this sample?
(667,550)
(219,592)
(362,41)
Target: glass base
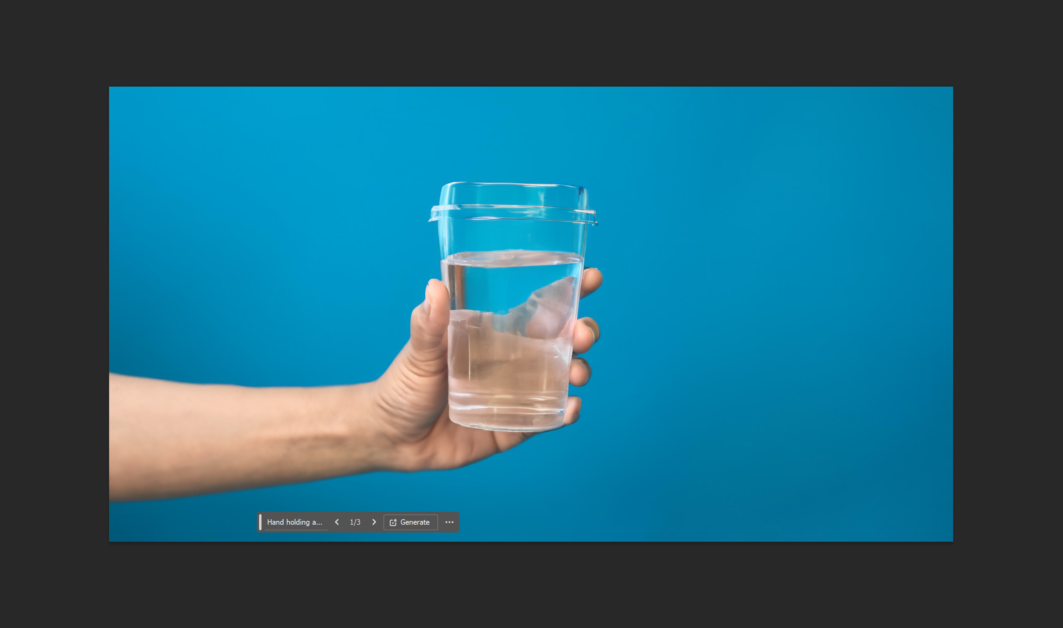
(486,419)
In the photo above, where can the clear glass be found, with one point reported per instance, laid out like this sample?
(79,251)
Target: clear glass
(511,255)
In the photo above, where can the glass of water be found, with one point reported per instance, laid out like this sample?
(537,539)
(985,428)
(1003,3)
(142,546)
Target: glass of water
(512,258)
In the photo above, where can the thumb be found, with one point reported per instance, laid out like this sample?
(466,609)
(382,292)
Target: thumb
(428,323)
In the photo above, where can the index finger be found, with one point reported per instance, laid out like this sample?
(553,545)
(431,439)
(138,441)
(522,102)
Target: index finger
(592,280)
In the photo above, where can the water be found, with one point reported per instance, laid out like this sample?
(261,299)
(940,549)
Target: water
(511,321)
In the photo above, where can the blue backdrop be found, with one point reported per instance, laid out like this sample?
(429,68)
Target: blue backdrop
(777,311)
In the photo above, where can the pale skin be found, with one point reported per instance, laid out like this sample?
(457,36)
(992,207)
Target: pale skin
(169,439)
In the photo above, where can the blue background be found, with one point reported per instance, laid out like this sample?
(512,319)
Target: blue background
(777,311)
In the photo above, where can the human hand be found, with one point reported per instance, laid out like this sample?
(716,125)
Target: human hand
(410,412)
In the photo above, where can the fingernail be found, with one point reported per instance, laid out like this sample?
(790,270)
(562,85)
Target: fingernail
(427,305)
(594,327)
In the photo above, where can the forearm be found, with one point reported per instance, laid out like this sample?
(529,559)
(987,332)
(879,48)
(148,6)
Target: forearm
(169,439)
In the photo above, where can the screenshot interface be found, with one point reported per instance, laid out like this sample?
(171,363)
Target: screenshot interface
(357,522)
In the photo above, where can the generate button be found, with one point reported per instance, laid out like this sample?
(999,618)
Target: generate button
(411,523)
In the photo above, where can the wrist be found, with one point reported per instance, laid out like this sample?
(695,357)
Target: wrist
(365,442)
(343,417)
(379,425)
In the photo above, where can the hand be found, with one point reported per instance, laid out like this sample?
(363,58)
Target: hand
(410,400)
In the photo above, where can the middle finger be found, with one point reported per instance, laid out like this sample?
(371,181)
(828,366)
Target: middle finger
(585,335)
(579,372)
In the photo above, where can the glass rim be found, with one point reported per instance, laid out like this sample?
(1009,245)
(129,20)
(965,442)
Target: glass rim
(500,209)
(523,185)
(513,212)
